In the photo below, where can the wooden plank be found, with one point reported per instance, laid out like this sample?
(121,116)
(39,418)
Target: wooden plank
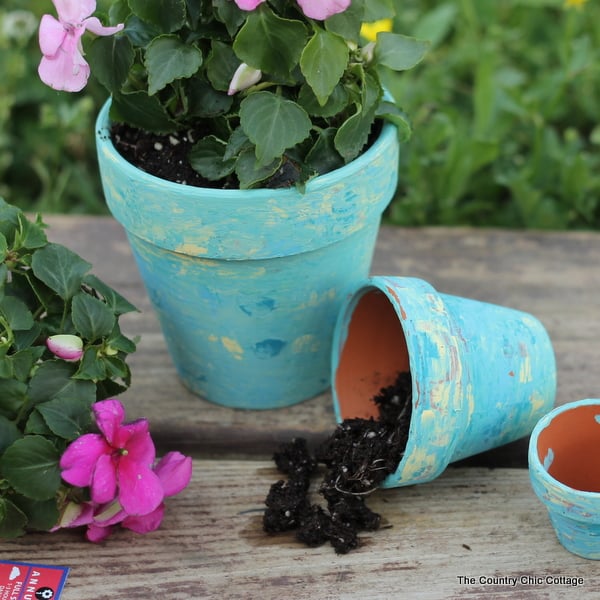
(475,523)
(552,275)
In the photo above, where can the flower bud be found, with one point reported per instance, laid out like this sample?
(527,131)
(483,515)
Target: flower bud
(67,347)
(244,77)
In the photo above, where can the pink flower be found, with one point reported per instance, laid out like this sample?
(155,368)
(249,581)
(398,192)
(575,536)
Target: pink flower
(116,463)
(62,66)
(174,471)
(67,347)
(313,9)
(244,77)
(323,9)
(248,4)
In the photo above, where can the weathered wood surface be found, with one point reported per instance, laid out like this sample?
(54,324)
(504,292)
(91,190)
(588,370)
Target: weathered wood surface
(474,522)
(555,276)
(470,522)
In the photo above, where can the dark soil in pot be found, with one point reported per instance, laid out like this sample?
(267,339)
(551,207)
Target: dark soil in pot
(166,156)
(355,460)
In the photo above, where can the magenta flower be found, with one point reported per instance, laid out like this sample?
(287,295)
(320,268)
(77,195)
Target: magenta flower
(116,463)
(62,66)
(174,471)
(65,346)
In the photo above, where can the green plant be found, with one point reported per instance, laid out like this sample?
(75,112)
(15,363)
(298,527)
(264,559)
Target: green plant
(45,401)
(505,115)
(275,84)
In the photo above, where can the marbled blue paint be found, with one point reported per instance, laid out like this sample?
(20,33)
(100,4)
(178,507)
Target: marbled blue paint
(228,269)
(574,514)
(482,374)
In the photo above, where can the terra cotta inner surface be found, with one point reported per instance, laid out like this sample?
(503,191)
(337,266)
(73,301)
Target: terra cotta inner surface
(373,354)
(570,448)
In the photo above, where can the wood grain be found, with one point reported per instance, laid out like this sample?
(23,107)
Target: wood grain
(468,523)
(552,275)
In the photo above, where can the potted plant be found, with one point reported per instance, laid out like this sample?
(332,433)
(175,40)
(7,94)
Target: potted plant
(66,457)
(278,107)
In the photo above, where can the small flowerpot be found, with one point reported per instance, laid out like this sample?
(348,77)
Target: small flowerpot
(564,467)
(482,375)
(247,284)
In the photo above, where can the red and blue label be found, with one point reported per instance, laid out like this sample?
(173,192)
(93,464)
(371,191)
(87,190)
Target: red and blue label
(26,581)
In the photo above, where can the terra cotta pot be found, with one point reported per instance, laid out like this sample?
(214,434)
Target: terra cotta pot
(564,468)
(482,374)
(247,284)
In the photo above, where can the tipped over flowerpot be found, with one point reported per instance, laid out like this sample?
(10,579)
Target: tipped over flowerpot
(564,467)
(482,374)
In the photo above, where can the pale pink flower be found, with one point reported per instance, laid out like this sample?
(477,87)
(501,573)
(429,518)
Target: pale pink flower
(248,4)
(116,463)
(62,66)
(323,9)
(244,77)
(65,346)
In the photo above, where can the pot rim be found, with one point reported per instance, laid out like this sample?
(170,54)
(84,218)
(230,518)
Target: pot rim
(315,184)
(536,466)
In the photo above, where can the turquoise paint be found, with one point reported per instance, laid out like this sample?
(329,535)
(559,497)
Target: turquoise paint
(482,374)
(574,514)
(247,284)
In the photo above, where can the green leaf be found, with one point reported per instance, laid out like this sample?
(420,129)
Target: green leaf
(323,62)
(167,59)
(221,65)
(12,396)
(270,43)
(206,157)
(117,303)
(347,23)
(142,111)
(16,313)
(392,113)
(60,269)
(353,135)
(3,247)
(376,10)
(111,58)
(273,124)
(32,235)
(169,15)
(9,433)
(53,380)
(67,418)
(91,317)
(30,465)
(91,367)
(36,425)
(249,173)
(42,515)
(335,104)
(12,520)
(323,156)
(399,52)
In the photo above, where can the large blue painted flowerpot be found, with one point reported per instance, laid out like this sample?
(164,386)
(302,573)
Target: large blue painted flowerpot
(482,374)
(247,284)
(564,468)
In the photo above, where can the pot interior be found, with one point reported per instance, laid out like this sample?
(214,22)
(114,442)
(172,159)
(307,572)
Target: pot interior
(569,448)
(373,354)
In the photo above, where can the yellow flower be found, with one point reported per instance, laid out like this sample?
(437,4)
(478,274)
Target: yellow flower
(370,30)
(579,4)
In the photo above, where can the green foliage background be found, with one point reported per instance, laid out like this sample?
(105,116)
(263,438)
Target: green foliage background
(505,110)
